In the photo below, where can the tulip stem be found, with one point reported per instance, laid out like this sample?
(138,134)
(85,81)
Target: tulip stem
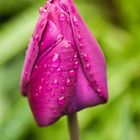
(73,127)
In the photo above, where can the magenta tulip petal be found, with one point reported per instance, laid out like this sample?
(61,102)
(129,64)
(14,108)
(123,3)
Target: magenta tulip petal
(64,69)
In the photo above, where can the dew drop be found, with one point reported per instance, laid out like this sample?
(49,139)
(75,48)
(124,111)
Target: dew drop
(42,44)
(71,73)
(98,90)
(62,89)
(80,37)
(61,100)
(62,17)
(51,108)
(75,21)
(36,94)
(36,38)
(55,83)
(59,71)
(55,60)
(75,56)
(68,82)
(40,88)
(36,67)
(91,74)
(88,67)
(48,74)
(81,46)
(76,64)
(85,56)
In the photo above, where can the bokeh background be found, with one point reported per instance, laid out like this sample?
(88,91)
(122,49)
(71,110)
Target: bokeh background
(116,25)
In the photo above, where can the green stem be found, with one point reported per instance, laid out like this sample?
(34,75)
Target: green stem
(73,127)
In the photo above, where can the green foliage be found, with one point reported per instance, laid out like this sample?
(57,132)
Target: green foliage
(115,23)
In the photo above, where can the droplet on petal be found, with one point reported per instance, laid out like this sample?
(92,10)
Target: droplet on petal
(62,89)
(71,73)
(85,56)
(61,100)
(68,82)
(55,83)
(75,21)
(88,67)
(55,60)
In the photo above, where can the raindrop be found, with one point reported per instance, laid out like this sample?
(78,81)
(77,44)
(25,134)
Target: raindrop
(61,100)
(36,38)
(75,21)
(81,46)
(51,108)
(40,88)
(71,73)
(68,82)
(55,83)
(42,44)
(36,67)
(62,17)
(88,67)
(48,74)
(98,90)
(56,60)
(80,37)
(62,89)
(76,64)
(75,56)
(59,71)
(85,56)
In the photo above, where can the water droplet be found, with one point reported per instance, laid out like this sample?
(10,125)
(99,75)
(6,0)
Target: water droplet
(76,64)
(36,94)
(85,56)
(40,88)
(81,46)
(88,67)
(48,74)
(59,71)
(75,56)
(36,67)
(98,90)
(61,100)
(55,60)
(62,17)
(42,44)
(55,83)
(71,73)
(51,108)
(62,89)
(36,38)
(91,74)
(68,82)
(45,66)
(75,21)
(80,37)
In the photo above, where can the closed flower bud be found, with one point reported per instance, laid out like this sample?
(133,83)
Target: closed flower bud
(64,69)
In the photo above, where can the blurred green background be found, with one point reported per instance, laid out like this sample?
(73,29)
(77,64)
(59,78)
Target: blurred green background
(116,25)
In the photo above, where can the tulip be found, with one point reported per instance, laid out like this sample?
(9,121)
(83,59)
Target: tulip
(64,69)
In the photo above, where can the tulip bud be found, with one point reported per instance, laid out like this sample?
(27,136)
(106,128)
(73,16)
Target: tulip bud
(64,69)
